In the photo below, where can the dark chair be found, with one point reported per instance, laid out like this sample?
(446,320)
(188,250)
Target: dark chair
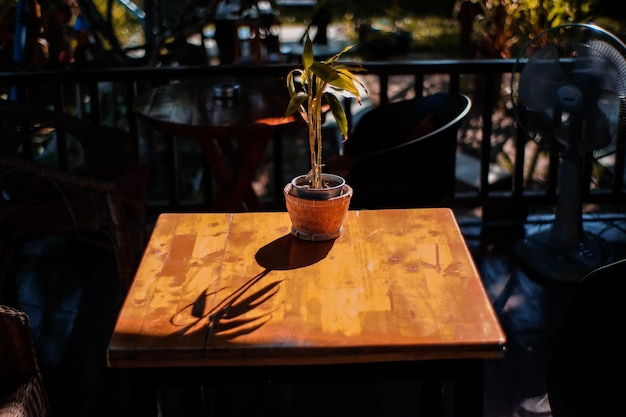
(403,154)
(99,198)
(588,363)
(38,201)
(22,392)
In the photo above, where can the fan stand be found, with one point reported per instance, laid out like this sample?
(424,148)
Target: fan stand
(565,252)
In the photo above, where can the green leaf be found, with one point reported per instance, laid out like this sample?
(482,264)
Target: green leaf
(339,54)
(291,85)
(307,54)
(324,72)
(345,83)
(296,101)
(338,113)
(351,67)
(353,78)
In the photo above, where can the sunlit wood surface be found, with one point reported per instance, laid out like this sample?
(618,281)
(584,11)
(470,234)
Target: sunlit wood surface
(238,289)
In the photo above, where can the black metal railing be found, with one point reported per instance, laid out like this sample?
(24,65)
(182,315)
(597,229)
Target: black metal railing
(106,96)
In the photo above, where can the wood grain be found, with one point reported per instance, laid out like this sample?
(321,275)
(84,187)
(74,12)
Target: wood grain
(237,289)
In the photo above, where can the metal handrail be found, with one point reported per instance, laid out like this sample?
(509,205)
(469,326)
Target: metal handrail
(129,82)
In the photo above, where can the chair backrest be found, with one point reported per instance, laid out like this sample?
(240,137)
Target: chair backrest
(588,361)
(94,147)
(407,152)
(22,391)
(101,187)
(38,201)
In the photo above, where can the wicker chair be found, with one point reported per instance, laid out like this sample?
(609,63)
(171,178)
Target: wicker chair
(22,393)
(99,198)
(39,201)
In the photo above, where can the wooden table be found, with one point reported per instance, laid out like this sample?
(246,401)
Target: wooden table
(234,292)
(232,134)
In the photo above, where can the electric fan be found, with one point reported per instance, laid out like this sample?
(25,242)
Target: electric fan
(569,90)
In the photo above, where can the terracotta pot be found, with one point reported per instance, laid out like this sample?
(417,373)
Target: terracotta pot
(317,220)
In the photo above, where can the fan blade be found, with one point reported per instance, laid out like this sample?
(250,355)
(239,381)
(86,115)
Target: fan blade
(610,104)
(607,120)
(599,58)
(603,59)
(540,79)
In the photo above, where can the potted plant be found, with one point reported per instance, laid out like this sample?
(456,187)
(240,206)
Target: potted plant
(317,202)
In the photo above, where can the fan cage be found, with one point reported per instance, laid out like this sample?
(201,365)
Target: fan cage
(581,48)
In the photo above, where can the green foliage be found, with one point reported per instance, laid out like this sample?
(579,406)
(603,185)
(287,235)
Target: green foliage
(432,33)
(615,26)
(319,81)
(126,27)
(505,25)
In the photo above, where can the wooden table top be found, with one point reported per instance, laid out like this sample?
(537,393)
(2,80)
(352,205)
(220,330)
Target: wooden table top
(238,289)
(190,108)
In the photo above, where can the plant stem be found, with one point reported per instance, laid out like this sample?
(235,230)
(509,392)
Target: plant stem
(315,134)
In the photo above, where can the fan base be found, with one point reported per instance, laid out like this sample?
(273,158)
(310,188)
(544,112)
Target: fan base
(554,261)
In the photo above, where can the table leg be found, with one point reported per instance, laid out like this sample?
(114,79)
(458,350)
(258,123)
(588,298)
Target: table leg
(432,397)
(453,388)
(143,396)
(215,162)
(235,189)
(469,389)
(250,153)
(448,388)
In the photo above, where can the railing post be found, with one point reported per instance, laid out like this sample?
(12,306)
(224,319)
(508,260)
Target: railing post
(61,136)
(383,82)
(133,125)
(487,129)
